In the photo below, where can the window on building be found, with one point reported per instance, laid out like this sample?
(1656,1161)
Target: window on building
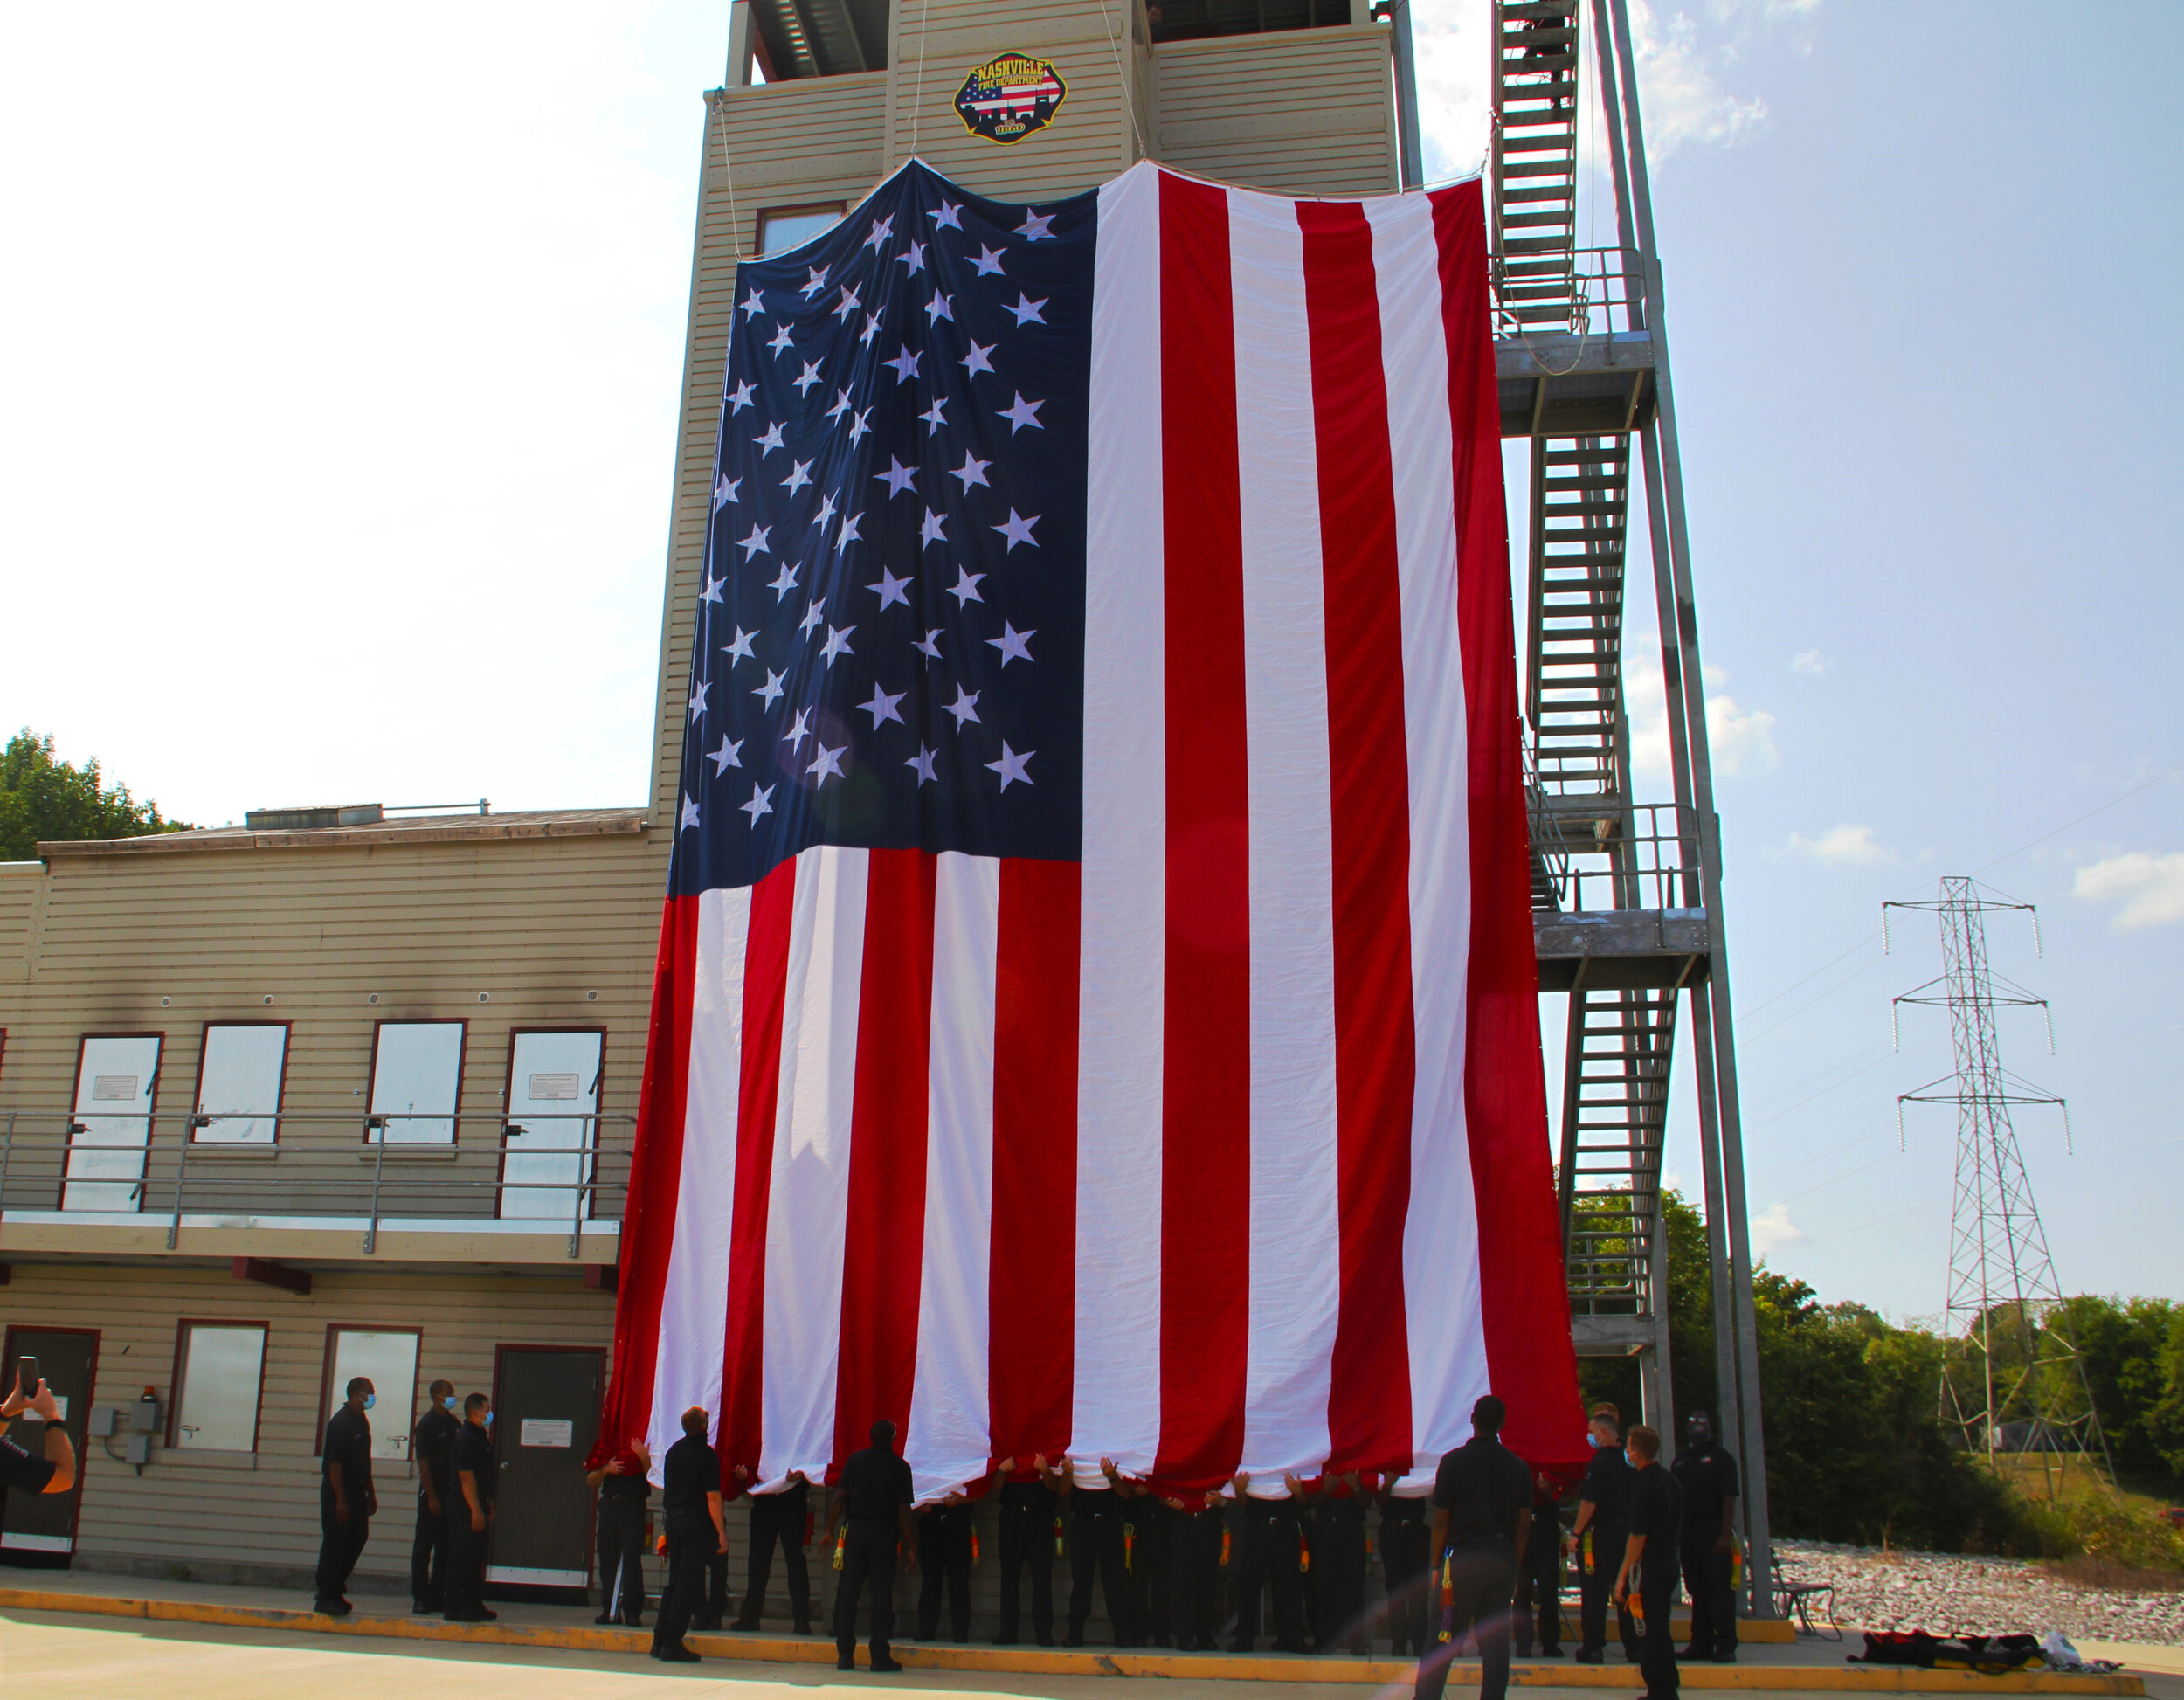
(417,1069)
(219,1370)
(387,1357)
(239,1076)
(783,228)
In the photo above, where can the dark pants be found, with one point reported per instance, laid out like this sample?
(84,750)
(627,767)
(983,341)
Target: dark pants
(777,1519)
(1272,1543)
(692,1542)
(622,1559)
(711,1610)
(1338,1573)
(1481,1575)
(1194,1564)
(1657,1647)
(466,1564)
(943,1560)
(1596,1587)
(1095,1549)
(1403,1542)
(338,1545)
(1027,1538)
(1539,1586)
(428,1558)
(1713,1601)
(868,1562)
(1146,1570)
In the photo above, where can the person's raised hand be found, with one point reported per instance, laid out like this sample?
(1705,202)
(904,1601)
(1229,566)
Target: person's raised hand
(13,1404)
(1110,1469)
(1296,1487)
(742,1473)
(1172,1502)
(1242,1480)
(1038,1461)
(1006,1466)
(614,1466)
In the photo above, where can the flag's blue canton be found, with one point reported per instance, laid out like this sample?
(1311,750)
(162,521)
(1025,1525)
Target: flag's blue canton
(890,647)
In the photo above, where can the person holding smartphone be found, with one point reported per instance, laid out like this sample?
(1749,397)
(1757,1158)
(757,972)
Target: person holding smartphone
(55,1473)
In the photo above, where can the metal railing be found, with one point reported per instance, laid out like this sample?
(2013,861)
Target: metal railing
(345,1169)
(1598,853)
(1577,292)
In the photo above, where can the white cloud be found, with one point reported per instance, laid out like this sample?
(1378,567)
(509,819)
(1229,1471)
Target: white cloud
(1773,1231)
(1679,81)
(1812,663)
(1740,739)
(1843,846)
(2150,887)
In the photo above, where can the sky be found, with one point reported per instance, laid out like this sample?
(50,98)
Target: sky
(339,367)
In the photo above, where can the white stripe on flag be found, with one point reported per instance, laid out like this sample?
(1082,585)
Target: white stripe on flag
(1441,1243)
(807,1217)
(693,1299)
(1116,1376)
(1294,1183)
(949,1442)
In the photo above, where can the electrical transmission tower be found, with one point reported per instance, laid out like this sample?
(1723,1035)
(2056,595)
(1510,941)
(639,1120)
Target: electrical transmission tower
(2012,1380)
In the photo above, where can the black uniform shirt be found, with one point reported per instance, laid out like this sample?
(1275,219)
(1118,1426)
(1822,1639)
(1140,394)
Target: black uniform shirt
(1657,1512)
(1482,1485)
(877,1484)
(1708,1475)
(1607,1485)
(630,1485)
(432,1445)
(20,1470)
(1094,1501)
(349,1444)
(473,1451)
(692,1470)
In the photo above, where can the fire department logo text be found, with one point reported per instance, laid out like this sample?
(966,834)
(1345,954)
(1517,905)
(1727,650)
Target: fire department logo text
(1011,96)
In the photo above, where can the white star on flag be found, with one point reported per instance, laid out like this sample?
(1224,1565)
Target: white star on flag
(780,343)
(814,615)
(934,416)
(898,477)
(1018,530)
(965,589)
(711,592)
(752,306)
(988,262)
(937,309)
(972,471)
(924,763)
(740,398)
(1024,413)
(1025,311)
(930,532)
(904,365)
(849,533)
(975,361)
(731,754)
(829,764)
(965,708)
(871,329)
(1035,225)
(697,698)
(1011,766)
(798,733)
(755,544)
(880,232)
(807,378)
(858,426)
(890,588)
(725,492)
(771,689)
(882,708)
(769,441)
(826,511)
(837,643)
(818,282)
(782,585)
(848,305)
(1012,644)
(929,644)
(913,257)
(945,216)
(840,406)
(758,805)
(799,475)
(739,647)
(690,814)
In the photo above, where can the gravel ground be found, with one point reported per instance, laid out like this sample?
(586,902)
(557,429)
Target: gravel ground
(1949,1595)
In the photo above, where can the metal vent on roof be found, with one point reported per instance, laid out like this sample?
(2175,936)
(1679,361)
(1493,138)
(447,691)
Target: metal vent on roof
(310,819)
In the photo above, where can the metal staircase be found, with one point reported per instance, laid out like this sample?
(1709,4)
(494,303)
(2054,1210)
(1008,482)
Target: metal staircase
(1580,505)
(1536,159)
(1615,1115)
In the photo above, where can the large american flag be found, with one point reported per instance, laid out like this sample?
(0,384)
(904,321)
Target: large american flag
(1095,1008)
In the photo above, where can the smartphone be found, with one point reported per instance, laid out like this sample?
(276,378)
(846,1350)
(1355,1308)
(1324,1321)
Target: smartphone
(26,1375)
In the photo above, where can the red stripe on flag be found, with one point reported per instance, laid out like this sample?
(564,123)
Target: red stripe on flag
(1530,1357)
(885,1244)
(656,1181)
(1205,1108)
(1032,1283)
(1369,1402)
(765,990)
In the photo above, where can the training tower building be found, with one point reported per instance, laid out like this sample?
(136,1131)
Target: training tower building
(351,1090)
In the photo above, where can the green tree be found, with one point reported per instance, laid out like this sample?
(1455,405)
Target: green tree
(2131,1349)
(42,798)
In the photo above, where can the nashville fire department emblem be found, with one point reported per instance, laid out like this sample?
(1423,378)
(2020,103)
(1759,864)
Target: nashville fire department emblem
(1010,97)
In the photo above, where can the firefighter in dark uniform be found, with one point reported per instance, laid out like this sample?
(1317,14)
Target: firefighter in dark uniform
(432,1443)
(1273,1540)
(1707,1474)
(623,1491)
(943,1562)
(712,1609)
(1648,1573)
(1596,1540)
(470,1514)
(1336,1507)
(1539,1573)
(778,1517)
(1194,1532)
(1095,1549)
(347,1502)
(1481,1514)
(1145,1576)
(1031,1500)
(1403,1563)
(690,1507)
(871,1503)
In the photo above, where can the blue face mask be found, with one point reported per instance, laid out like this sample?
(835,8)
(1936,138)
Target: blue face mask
(488,1420)
(449,1401)
(369,1400)
(1592,1440)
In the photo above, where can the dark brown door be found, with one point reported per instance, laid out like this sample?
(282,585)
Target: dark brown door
(41,1529)
(545,1412)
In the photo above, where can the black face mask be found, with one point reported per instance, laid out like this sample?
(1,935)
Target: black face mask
(1698,1433)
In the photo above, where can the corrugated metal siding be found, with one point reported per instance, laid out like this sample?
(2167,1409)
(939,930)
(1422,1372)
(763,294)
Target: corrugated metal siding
(192,1511)
(1307,111)
(22,884)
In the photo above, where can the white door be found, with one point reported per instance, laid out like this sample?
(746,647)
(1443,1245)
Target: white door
(553,1092)
(115,1078)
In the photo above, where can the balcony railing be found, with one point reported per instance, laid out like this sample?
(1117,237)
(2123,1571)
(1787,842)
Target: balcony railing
(321,1170)
(1593,854)
(1580,292)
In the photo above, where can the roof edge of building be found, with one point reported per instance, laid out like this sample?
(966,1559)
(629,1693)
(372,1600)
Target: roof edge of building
(524,826)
